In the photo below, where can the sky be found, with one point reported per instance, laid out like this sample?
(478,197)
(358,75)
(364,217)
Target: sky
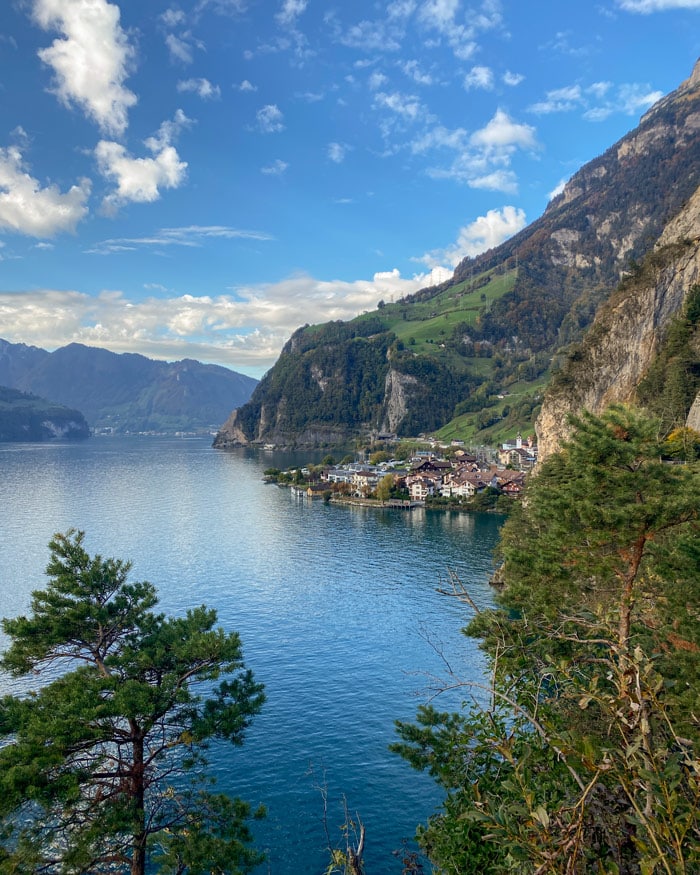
(198,178)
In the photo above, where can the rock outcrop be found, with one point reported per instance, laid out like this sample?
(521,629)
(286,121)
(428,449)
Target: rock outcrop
(627,333)
(398,389)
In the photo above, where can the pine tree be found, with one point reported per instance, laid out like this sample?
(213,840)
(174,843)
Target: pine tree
(586,757)
(103,766)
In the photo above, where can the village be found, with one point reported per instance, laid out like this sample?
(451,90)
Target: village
(441,475)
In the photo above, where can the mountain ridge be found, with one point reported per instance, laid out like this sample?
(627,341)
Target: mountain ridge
(458,349)
(127,391)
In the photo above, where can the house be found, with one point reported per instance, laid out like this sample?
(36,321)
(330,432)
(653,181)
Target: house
(421,487)
(337,475)
(364,481)
(431,466)
(511,482)
(465,484)
(316,490)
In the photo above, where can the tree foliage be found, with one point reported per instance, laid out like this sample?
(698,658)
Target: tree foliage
(102,768)
(673,381)
(585,757)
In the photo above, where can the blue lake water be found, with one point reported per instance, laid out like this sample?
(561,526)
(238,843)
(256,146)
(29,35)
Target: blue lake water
(336,606)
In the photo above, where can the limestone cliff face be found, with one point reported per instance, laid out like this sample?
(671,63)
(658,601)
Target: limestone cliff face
(694,415)
(397,396)
(231,434)
(627,332)
(276,432)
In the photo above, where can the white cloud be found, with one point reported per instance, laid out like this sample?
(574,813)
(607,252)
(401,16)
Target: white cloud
(408,106)
(439,14)
(401,9)
(647,6)
(512,79)
(443,16)
(482,160)
(92,60)
(173,17)
(337,152)
(413,70)
(503,135)
(479,77)
(222,7)
(270,119)
(310,96)
(499,180)
(201,87)
(189,236)
(140,180)
(27,208)
(290,11)
(180,47)
(440,138)
(277,168)
(245,86)
(245,329)
(599,89)
(482,234)
(598,113)
(377,80)
(636,98)
(630,99)
(369,36)
(559,100)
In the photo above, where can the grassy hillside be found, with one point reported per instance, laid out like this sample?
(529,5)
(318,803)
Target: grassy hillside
(507,380)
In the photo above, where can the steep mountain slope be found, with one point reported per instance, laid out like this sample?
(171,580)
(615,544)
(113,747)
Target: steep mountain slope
(625,357)
(28,418)
(126,392)
(491,331)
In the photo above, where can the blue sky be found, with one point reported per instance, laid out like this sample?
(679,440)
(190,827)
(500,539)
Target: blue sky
(199,178)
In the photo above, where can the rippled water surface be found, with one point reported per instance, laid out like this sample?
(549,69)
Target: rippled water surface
(336,607)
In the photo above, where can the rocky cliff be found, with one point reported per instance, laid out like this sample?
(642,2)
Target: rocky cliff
(628,333)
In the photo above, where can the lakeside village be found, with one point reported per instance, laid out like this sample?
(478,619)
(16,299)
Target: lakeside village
(444,476)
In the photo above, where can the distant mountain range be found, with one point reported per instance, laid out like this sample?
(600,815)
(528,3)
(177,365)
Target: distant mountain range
(472,357)
(127,392)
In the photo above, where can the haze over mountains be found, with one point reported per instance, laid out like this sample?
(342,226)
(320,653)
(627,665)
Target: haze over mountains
(471,358)
(127,392)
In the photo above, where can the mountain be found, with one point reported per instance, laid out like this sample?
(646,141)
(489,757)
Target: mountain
(126,392)
(29,418)
(472,357)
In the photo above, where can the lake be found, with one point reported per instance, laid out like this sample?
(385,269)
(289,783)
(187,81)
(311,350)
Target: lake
(336,606)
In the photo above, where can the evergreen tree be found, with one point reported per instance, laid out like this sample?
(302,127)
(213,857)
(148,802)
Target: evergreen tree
(585,759)
(102,768)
